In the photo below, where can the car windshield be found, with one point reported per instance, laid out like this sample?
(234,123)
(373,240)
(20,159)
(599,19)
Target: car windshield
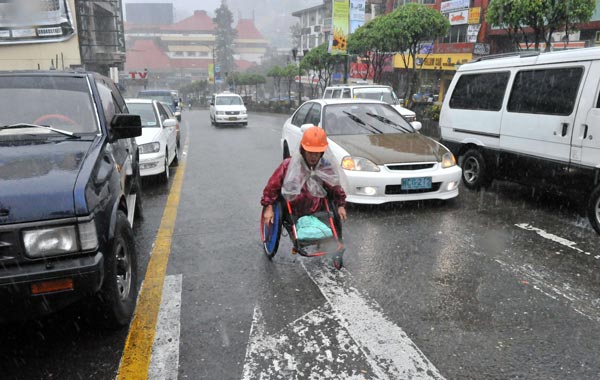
(228,101)
(375,93)
(363,119)
(146,112)
(60,102)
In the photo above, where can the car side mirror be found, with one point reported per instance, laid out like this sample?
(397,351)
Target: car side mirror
(416,125)
(212,103)
(124,126)
(169,123)
(304,127)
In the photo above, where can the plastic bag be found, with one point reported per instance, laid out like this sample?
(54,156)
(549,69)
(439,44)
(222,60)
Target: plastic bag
(299,174)
(309,227)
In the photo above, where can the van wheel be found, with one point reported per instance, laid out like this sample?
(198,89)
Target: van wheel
(594,209)
(475,173)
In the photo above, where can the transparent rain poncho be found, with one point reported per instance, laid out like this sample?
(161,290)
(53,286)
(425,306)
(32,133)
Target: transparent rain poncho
(299,174)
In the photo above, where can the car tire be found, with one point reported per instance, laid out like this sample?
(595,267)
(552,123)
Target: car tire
(593,209)
(117,297)
(286,150)
(475,172)
(164,176)
(139,203)
(175,161)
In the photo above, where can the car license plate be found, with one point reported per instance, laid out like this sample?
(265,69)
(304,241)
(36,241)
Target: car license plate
(416,183)
(232,118)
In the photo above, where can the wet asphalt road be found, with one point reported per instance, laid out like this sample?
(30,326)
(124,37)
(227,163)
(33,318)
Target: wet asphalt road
(500,284)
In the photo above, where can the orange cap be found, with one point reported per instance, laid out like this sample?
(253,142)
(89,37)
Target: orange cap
(314,139)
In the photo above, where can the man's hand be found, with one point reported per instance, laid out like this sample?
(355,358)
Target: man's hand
(268,215)
(342,213)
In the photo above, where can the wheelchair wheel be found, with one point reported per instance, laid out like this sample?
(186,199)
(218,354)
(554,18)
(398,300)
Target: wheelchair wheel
(270,233)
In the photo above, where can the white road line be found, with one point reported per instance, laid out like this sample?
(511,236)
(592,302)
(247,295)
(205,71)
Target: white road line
(554,238)
(164,364)
(385,344)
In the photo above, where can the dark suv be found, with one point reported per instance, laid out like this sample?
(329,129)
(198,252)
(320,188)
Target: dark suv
(69,186)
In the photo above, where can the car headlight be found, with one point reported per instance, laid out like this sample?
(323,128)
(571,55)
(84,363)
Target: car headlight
(54,241)
(410,118)
(359,164)
(152,147)
(243,112)
(448,160)
(220,112)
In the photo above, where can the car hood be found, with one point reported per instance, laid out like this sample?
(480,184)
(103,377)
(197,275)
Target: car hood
(38,180)
(149,134)
(391,148)
(230,108)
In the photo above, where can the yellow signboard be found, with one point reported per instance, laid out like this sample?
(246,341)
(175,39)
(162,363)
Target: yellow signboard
(341,14)
(211,73)
(475,15)
(445,62)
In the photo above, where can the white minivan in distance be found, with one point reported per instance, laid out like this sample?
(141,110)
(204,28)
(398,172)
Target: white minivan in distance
(530,118)
(227,108)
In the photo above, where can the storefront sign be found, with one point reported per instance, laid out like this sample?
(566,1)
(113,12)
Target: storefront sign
(341,12)
(473,32)
(458,18)
(360,71)
(454,5)
(448,62)
(45,21)
(475,15)
(481,49)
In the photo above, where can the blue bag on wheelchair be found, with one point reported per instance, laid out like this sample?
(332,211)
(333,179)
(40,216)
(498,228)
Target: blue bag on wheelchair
(309,227)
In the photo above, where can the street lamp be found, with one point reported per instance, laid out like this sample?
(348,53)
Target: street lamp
(295,54)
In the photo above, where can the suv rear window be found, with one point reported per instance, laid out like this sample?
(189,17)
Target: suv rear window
(483,92)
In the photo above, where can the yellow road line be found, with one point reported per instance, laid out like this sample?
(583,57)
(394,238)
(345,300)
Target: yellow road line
(138,347)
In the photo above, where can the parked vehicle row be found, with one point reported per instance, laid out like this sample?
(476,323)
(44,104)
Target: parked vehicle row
(70,192)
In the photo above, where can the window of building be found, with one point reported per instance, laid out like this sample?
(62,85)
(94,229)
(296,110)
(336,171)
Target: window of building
(483,92)
(547,91)
(457,33)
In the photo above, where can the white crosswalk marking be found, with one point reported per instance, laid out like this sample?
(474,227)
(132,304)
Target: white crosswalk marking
(164,364)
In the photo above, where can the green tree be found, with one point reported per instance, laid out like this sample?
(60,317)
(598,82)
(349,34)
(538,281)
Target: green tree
(289,75)
(321,64)
(543,17)
(412,25)
(225,36)
(371,43)
(276,72)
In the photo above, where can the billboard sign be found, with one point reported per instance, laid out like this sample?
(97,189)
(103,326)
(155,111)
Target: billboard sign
(341,13)
(458,18)
(454,5)
(35,21)
(357,14)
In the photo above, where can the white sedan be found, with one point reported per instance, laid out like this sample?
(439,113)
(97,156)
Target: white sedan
(382,158)
(158,142)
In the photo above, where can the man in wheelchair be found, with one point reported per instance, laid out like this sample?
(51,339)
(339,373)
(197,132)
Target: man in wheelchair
(306,180)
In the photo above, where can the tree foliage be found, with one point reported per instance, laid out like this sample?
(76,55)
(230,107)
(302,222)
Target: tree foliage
(225,36)
(414,24)
(276,72)
(543,17)
(320,64)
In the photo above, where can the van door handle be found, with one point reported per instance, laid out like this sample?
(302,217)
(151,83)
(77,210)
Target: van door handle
(565,129)
(585,131)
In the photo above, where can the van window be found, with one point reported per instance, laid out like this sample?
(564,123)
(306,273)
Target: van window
(327,94)
(346,93)
(547,91)
(336,93)
(483,92)
(383,94)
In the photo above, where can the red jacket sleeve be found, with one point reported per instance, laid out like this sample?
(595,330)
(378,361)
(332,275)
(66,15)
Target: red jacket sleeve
(338,194)
(273,189)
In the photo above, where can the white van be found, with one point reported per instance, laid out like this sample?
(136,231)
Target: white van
(369,91)
(533,119)
(227,108)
